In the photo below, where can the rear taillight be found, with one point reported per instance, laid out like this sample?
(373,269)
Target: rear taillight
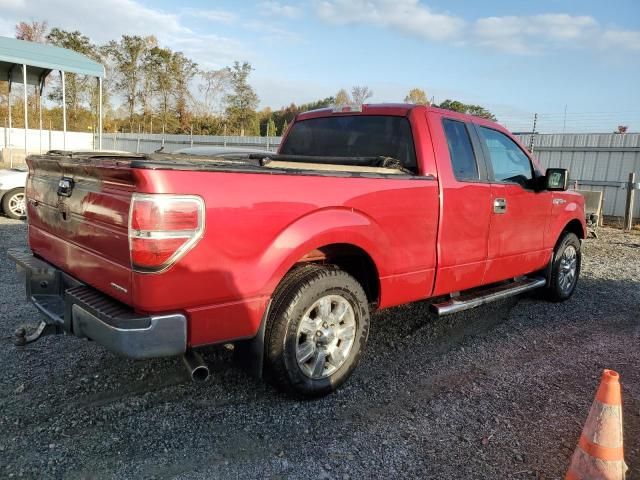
(162,228)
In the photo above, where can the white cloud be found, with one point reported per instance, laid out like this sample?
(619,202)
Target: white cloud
(104,21)
(270,30)
(407,16)
(622,39)
(530,34)
(11,4)
(278,9)
(510,34)
(222,16)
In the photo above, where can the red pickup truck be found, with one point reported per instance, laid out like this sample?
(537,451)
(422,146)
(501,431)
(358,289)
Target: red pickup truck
(286,255)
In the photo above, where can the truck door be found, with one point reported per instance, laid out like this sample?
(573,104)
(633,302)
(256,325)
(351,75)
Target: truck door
(519,213)
(465,205)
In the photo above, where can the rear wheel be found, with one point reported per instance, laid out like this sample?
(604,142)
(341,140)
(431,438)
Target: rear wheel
(565,268)
(317,330)
(14,204)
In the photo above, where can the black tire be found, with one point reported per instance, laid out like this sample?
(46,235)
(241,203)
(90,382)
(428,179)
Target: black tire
(556,290)
(7,203)
(298,292)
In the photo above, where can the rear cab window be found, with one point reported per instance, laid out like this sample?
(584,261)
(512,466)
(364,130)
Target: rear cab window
(353,136)
(463,158)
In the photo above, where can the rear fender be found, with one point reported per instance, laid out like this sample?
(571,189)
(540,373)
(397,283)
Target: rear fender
(321,228)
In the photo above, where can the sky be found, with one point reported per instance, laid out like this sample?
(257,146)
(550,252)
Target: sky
(515,58)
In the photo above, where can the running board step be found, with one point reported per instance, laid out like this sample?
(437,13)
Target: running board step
(476,298)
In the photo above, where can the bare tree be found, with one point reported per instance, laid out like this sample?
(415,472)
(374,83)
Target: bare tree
(32,32)
(215,85)
(359,95)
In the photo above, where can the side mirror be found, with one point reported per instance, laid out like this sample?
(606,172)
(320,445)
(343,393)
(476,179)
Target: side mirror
(556,179)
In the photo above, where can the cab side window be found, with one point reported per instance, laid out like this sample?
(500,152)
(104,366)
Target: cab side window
(509,162)
(463,159)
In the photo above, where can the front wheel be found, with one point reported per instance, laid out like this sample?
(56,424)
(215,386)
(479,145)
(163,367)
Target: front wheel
(14,204)
(317,330)
(565,268)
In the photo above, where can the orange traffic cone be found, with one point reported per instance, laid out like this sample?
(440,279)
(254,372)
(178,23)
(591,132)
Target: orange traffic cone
(599,454)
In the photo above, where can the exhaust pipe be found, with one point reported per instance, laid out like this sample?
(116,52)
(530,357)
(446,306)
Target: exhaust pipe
(198,370)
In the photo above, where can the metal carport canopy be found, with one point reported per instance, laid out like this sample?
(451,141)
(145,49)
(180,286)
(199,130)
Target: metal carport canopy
(40,58)
(35,61)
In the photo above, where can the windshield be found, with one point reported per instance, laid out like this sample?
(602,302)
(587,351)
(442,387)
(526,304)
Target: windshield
(353,136)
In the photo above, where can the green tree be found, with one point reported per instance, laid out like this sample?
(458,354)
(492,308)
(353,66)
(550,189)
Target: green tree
(271,128)
(417,96)
(242,100)
(476,110)
(285,125)
(128,55)
(184,70)
(159,68)
(79,89)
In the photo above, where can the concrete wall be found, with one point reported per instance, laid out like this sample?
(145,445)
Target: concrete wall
(12,143)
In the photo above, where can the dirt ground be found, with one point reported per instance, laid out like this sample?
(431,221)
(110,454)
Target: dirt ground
(501,391)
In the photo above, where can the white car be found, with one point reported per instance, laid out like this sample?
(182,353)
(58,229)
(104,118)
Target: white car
(12,197)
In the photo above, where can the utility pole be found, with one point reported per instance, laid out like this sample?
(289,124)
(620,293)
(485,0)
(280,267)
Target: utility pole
(628,211)
(564,122)
(533,131)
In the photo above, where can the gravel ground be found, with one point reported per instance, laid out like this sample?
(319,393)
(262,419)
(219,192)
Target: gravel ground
(497,392)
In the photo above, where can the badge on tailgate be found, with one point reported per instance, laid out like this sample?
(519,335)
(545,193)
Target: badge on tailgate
(65,187)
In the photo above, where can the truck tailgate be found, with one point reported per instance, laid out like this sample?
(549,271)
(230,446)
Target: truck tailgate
(78,211)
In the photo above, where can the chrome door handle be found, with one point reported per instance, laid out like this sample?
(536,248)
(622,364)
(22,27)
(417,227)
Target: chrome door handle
(499,205)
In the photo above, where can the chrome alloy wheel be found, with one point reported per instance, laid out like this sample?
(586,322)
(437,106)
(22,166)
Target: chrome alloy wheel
(325,336)
(568,267)
(17,204)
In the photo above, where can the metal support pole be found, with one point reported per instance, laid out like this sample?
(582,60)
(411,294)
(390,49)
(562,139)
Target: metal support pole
(40,114)
(10,122)
(628,211)
(99,113)
(64,113)
(533,132)
(191,136)
(26,110)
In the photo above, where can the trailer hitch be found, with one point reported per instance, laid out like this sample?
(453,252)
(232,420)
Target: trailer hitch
(43,329)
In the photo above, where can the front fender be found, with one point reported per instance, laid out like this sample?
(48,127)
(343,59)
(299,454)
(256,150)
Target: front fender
(321,228)
(566,208)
